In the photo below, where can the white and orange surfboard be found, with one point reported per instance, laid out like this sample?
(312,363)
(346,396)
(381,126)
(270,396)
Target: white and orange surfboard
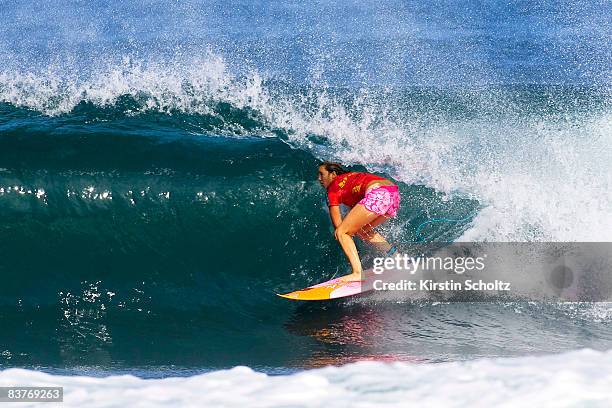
(331,289)
(336,288)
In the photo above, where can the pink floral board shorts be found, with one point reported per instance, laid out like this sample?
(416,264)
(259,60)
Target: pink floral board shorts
(383,200)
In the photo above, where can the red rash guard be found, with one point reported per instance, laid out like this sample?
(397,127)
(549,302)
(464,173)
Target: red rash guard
(349,188)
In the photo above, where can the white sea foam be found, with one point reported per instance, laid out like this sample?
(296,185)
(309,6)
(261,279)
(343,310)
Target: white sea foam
(579,378)
(164,85)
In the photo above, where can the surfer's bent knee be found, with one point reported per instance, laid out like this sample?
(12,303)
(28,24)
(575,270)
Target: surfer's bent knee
(344,230)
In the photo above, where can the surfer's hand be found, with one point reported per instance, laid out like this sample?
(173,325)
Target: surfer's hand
(336,234)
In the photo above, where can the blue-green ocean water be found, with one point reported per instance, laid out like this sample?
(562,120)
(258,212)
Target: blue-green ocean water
(158,164)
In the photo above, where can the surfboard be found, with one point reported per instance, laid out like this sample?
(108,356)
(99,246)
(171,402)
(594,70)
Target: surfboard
(332,289)
(336,288)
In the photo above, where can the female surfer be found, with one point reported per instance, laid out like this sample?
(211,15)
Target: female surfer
(373,199)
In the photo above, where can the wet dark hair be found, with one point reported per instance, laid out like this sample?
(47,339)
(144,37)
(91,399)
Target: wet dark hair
(332,167)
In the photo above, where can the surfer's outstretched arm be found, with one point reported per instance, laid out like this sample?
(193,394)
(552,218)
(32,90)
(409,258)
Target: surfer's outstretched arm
(336,215)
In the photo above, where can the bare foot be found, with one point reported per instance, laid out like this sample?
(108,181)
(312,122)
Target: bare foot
(355,276)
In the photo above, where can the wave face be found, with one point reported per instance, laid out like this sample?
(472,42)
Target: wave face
(157,165)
